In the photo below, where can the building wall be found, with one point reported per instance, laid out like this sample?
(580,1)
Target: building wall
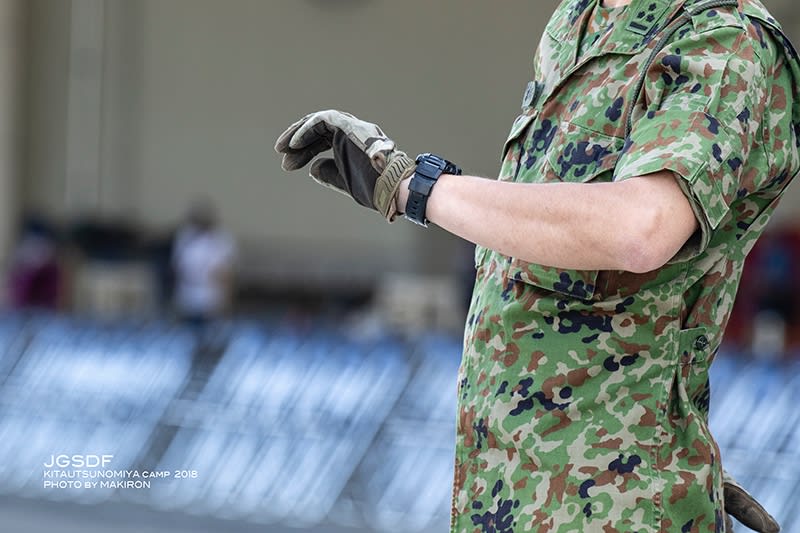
(12,127)
(194,93)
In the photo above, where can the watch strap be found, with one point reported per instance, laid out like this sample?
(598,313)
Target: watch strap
(429,168)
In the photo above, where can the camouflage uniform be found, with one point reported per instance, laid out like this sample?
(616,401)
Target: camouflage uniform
(583,395)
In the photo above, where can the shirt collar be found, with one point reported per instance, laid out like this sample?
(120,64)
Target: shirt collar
(643,18)
(632,32)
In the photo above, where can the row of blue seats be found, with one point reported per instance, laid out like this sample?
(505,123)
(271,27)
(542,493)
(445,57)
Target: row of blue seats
(280,432)
(755,418)
(301,427)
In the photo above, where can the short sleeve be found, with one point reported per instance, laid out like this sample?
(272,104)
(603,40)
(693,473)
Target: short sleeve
(703,93)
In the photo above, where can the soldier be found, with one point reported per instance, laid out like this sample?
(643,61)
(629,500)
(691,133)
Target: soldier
(653,145)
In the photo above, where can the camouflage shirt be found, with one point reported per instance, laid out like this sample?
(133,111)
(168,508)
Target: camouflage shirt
(583,395)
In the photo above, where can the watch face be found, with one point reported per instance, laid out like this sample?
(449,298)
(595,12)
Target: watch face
(433,166)
(428,169)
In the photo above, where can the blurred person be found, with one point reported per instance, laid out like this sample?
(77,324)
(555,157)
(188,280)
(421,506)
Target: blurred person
(778,266)
(776,300)
(767,305)
(35,275)
(203,258)
(654,143)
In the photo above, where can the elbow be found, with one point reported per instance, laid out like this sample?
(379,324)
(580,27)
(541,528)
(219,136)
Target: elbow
(658,221)
(639,259)
(642,248)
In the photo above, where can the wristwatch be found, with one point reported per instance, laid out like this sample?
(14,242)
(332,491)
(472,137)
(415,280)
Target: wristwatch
(429,168)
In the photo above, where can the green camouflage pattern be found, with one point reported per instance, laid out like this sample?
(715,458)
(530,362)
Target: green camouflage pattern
(583,395)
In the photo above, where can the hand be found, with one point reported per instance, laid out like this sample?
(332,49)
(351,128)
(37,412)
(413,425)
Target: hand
(365,165)
(744,508)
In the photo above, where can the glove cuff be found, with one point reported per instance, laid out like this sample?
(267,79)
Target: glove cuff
(745,508)
(400,167)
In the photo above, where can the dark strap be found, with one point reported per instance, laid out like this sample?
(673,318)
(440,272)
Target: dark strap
(666,34)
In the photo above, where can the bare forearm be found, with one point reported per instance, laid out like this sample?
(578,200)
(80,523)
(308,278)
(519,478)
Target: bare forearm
(568,225)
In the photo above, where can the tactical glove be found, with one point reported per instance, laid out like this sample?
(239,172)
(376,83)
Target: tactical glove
(744,508)
(365,165)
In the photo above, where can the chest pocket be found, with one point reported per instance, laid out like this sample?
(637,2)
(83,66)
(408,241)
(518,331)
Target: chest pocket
(577,155)
(580,155)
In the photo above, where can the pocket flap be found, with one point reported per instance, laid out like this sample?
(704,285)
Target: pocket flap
(519,126)
(581,155)
(580,284)
(694,346)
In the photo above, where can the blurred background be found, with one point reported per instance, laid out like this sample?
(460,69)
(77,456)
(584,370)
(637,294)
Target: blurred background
(173,299)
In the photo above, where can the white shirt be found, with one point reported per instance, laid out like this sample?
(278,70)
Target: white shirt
(198,258)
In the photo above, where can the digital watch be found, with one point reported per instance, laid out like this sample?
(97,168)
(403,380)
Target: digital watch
(429,168)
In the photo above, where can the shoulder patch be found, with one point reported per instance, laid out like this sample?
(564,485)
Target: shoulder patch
(722,17)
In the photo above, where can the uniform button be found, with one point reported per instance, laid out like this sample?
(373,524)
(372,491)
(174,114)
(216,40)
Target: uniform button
(701,342)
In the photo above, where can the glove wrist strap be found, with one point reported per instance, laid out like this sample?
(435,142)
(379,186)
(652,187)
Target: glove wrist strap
(399,168)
